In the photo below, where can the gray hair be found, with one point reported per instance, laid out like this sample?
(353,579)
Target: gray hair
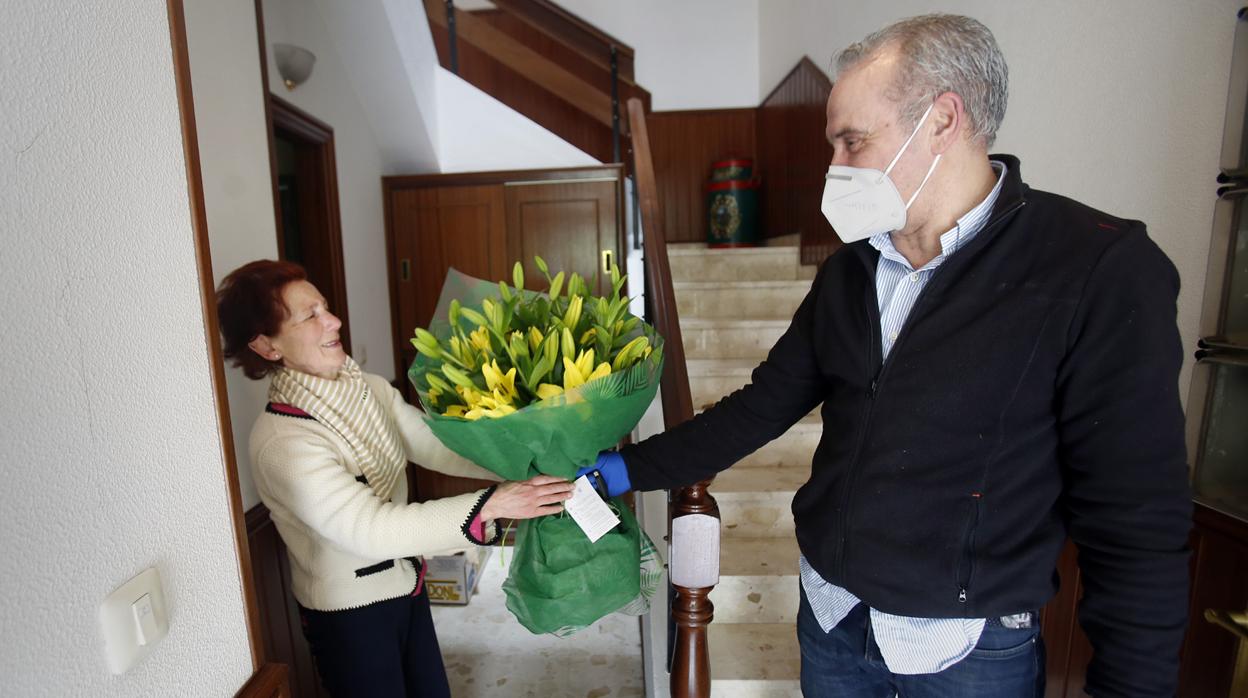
(941,53)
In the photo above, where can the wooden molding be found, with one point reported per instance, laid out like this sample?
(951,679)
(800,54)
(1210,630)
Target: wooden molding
(312,131)
(454,179)
(590,99)
(271,681)
(203,258)
(574,32)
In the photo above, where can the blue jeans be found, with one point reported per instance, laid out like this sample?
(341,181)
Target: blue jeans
(846,663)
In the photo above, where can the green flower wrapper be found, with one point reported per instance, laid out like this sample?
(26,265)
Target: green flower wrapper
(558,581)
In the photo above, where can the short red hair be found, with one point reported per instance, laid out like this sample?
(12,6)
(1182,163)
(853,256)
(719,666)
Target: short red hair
(249,304)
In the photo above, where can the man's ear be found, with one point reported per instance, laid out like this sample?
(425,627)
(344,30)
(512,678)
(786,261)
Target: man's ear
(948,120)
(263,346)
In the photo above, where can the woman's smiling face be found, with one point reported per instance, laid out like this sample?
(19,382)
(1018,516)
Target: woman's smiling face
(308,340)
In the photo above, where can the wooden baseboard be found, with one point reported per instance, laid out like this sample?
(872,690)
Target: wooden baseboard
(271,681)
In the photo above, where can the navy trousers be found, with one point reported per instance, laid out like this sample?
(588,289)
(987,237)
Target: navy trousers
(385,650)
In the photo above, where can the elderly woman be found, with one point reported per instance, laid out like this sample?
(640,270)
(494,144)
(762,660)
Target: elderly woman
(329,455)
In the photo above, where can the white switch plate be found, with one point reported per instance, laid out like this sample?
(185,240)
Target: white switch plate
(124,643)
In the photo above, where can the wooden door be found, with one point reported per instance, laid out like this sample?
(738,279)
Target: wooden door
(436,229)
(569,224)
(305,186)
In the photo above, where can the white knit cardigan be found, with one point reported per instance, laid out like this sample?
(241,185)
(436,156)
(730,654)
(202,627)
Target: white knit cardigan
(334,524)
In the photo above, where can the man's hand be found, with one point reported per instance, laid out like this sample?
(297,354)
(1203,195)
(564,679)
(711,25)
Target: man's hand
(611,471)
(530,499)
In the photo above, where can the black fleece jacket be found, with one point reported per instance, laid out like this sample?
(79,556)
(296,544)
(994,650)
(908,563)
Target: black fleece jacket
(1031,395)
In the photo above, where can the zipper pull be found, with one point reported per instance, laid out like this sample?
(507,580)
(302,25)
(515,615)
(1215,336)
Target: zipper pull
(962,595)
(875,384)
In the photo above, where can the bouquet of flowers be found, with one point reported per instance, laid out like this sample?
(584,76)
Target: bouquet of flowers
(524,383)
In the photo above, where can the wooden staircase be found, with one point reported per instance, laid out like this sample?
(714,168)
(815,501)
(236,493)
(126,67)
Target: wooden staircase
(545,63)
(733,305)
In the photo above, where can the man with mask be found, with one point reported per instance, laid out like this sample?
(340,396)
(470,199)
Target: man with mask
(998,368)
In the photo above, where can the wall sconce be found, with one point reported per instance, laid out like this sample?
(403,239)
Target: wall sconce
(294,64)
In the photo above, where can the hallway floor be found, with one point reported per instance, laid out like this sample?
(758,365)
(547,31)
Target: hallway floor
(488,653)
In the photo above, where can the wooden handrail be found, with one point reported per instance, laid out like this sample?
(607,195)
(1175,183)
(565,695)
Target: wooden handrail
(692,610)
(590,99)
(572,31)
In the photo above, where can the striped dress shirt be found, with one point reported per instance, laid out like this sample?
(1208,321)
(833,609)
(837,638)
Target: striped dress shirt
(908,645)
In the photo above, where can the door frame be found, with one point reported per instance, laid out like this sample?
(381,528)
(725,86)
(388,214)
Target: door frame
(311,131)
(268,679)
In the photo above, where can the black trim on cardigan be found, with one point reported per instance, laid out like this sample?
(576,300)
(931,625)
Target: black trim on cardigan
(303,415)
(476,511)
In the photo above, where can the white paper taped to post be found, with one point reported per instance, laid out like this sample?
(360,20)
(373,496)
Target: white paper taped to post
(695,551)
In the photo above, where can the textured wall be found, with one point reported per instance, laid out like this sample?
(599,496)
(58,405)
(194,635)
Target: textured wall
(111,458)
(1118,104)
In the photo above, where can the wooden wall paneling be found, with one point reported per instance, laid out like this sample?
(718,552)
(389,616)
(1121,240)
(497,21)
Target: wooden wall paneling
(1219,582)
(564,53)
(588,40)
(272,681)
(683,146)
(568,224)
(279,612)
(793,156)
(507,85)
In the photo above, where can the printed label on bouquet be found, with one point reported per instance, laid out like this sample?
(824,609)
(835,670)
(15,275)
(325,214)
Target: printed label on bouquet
(589,511)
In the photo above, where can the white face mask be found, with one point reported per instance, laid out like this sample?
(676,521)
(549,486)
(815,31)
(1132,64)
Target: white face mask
(860,202)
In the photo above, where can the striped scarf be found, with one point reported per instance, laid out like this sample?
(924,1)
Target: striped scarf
(348,407)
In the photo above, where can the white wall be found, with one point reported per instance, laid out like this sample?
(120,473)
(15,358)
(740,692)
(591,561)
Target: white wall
(330,95)
(234,162)
(1118,103)
(111,456)
(693,54)
(479,133)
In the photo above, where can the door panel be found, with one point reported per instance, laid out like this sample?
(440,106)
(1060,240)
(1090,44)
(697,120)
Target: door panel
(567,224)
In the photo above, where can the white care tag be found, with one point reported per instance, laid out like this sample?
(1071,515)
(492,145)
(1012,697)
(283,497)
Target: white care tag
(589,511)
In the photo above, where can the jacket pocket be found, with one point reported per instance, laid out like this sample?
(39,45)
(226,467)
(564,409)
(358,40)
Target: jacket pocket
(964,570)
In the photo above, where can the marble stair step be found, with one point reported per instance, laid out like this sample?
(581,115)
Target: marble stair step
(696,262)
(756,599)
(762,300)
(743,688)
(758,556)
(782,478)
(755,514)
(752,652)
(757,581)
(729,338)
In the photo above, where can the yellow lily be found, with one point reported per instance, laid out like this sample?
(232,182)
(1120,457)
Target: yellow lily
(535,339)
(588,336)
(480,338)
(575,374)
(548,390)
(573,315)
(604,369)
(455,411)
(498,381)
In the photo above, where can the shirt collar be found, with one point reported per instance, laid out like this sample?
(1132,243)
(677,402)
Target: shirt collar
(966,228)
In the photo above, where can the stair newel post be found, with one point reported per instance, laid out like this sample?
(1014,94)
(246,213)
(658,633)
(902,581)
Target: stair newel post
(694,571)
(450,30)
(694,556)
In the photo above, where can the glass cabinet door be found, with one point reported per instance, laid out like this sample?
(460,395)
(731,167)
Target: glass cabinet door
(1221,476)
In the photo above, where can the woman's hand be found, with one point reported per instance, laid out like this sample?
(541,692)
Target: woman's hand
(535,497)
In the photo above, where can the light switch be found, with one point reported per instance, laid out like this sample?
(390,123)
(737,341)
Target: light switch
(144,619)
(132,620)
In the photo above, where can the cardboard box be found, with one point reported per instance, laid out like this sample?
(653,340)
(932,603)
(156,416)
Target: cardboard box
(452,579)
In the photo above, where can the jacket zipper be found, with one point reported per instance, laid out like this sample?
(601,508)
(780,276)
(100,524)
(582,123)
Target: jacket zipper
(873,317)
(967,559)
